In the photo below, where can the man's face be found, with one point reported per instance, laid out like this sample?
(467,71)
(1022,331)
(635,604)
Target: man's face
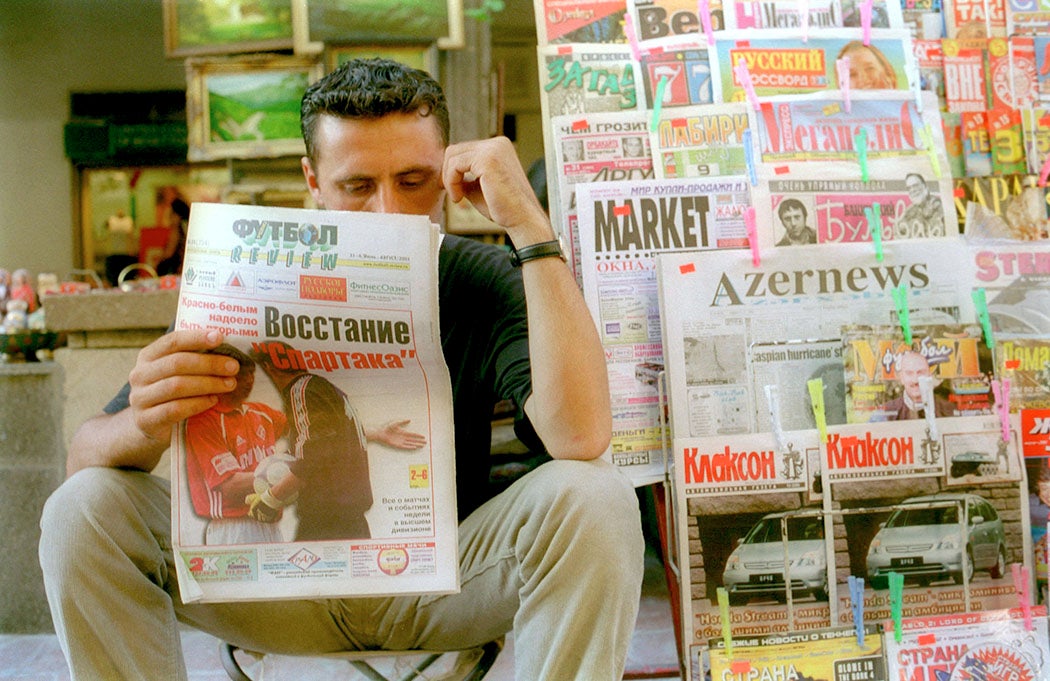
(385,165)
(794,222)
(633,147)
(913,367)
(917,190)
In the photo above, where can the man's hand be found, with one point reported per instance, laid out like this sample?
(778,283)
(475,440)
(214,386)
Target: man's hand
(489,175)
(173,380)
(394,434)
(264,507)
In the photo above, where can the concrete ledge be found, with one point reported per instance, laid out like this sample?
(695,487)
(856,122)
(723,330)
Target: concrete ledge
(112,310)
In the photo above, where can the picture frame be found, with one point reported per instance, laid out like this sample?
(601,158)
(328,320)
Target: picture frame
(422,57)
(320,22)
(211,27)
(247,106)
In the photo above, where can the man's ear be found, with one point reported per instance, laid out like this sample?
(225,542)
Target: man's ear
(311,180)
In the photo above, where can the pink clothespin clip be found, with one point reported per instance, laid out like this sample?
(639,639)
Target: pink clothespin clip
(865,20)
(842,69)
(743,76)
(704,10)
(1024,594)
(1044,174)
(632,36)
(803,12)
(1001,392)
(752,234)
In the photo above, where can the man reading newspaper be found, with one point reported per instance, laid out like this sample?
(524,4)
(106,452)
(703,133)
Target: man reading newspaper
(557,557)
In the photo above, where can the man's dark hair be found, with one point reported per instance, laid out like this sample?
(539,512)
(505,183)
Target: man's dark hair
(789,204)
(371,88)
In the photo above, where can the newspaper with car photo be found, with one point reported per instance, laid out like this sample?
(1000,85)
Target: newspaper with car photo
(328,470)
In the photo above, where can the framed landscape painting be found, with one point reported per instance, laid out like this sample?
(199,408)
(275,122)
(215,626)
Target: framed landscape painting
(246,107)
(422,57)
(201,27)
(320,22)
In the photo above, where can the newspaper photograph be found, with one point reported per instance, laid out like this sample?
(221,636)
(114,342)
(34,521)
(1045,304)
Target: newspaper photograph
(724,300)
(296,484)
(923,19)
(1003,644)
(1010,207)
(785,65)
(818,127)
(623,225)
(1016,279)
(821,14)
(789,366)
(1025,363)
(884,373)
(600,147)
(700,141)
(576,21)
(679,66)
(785,561)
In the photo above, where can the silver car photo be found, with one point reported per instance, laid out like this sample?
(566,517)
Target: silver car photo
(927,542)
(756,566)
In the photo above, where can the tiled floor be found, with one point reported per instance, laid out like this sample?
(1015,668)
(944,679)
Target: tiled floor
(652,654)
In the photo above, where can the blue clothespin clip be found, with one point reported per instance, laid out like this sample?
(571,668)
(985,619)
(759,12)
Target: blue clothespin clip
(980,303)
(860,141)
(900,298)
(749,158)
(896,580)
(874,217)
(856,599)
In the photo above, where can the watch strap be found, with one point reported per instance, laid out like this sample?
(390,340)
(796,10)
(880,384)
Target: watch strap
(544,249)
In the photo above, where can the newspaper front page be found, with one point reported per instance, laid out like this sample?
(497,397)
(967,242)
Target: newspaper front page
(289,488)
(623,225)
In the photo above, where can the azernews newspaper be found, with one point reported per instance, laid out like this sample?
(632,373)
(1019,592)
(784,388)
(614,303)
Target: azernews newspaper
(329,470)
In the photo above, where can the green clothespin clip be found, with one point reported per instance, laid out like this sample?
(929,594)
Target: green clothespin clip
(926,135)
(860,141)
(816,398)
(896,580)
(874,216)
(900,297)
(727,629)
(980,302)
(658,104)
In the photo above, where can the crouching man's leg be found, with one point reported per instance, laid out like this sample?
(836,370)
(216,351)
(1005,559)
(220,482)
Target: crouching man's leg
(109,572)
(559,557)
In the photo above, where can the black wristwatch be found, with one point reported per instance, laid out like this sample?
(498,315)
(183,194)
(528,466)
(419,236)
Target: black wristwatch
(544,249)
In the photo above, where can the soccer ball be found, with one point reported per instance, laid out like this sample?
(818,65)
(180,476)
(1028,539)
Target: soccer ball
(271,471)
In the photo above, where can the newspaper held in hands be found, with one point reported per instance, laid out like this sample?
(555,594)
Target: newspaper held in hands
(329,471)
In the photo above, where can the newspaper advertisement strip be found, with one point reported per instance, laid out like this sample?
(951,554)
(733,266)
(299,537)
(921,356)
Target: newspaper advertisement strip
(622,226)
(281,490)
(700,141)
(821,203)
(601,147)
(960,646)
(797,293)
(830,654)
(822,14)
(786,64)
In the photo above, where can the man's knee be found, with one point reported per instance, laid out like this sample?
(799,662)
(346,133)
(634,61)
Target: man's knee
(593,494)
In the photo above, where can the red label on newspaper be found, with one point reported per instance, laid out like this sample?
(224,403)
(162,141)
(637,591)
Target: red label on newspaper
(322,288)
(1035,432)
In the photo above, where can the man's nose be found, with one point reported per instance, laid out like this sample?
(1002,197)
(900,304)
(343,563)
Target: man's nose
(385,200)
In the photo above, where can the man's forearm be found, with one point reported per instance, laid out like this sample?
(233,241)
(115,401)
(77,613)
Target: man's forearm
(114,441)
(569,406)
